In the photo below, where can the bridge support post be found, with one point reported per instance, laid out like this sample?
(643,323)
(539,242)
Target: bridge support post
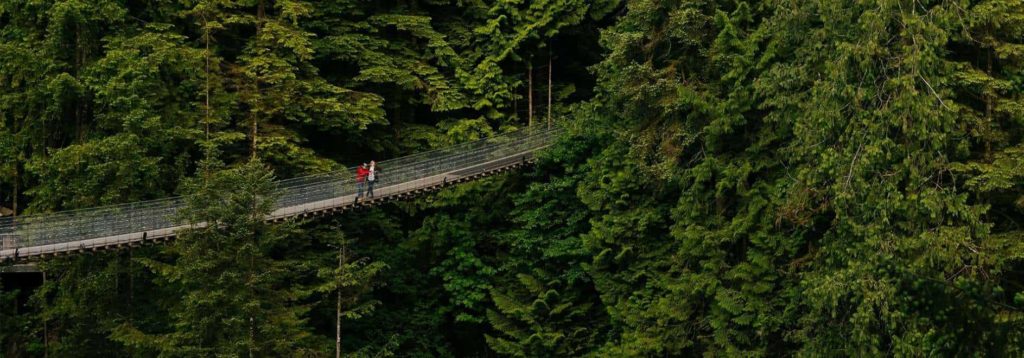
(8,242)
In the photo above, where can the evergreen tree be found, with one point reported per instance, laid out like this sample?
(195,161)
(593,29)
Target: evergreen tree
(990,83)
(16,333)
(414,307)
(106,102)
(545,303)
(84,299)
(817,212)
(277,84)
(349,282)
(895,269)
(746,178)
(517,33)
(236,296)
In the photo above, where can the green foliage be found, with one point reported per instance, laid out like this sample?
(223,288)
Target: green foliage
(546,304)
(15,326)
(87,300)
(110,102)
(513,33)
(106,171)
(236,298)
(807,151)
(745,178)
(352,279)
(464,247)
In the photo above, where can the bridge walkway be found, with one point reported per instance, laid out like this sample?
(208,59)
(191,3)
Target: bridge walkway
(34,237)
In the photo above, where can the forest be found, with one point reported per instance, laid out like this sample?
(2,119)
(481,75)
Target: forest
(736,177)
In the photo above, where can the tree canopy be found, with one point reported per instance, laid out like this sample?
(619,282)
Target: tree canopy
(736,178)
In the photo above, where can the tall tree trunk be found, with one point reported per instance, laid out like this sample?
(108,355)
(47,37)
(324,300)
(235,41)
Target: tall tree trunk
(529,94)
(14,342)
(515,98)
(253,213)
(260,15)
(253,131)
(988,103)
(207,152)
(46,329)
(17,170)
(78,67)
(17,187)
(252,336)
(206,39)
(252,319)
(337,335)
(549,85)
(131,287)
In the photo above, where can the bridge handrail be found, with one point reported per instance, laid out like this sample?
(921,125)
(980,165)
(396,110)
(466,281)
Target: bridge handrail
(74,225)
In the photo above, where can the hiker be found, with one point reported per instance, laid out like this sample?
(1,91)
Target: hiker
(371,177)
(361,173)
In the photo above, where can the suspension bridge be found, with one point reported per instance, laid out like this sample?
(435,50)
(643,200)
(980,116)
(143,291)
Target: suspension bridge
(32,237)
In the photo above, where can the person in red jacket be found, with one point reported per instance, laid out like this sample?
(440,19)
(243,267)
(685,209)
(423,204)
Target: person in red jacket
(361,172)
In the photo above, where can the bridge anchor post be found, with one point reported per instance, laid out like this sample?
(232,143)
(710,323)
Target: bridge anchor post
(8,242)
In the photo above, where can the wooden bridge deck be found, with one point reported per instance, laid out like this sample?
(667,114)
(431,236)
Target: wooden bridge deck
(10,252)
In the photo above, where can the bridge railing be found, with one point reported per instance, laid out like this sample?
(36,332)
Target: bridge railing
(401,175)
(395,175)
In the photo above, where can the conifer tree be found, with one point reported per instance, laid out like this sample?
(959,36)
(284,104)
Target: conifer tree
(280,89)
(513,32)
(545,303)
(900,248)
(991,84)
(349,282)
(16,327)
(816,210)
(235,296)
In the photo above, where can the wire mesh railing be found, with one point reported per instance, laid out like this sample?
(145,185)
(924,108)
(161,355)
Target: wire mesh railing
(393,176)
